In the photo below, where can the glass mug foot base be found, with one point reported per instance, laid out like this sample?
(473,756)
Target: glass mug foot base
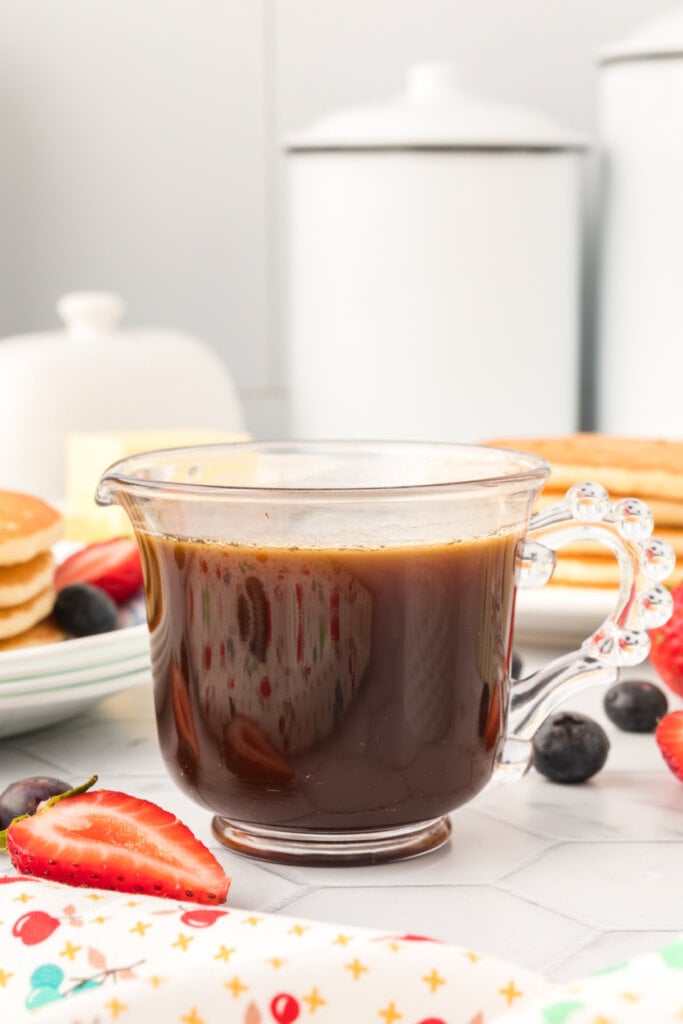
(356,847)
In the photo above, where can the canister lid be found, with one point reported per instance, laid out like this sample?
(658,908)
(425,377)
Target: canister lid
(655,40)
(435,112)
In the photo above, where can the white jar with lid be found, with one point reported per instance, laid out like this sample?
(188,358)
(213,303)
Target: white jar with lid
(433,269)
(640,313)
(94,377)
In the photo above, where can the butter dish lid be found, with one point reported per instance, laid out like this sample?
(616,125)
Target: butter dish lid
(88,313)
(95,376)
(92,331)
(660,38)
(94,316)
(435,112)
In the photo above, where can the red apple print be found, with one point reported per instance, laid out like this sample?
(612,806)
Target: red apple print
(438,1020)
(201,918)
(284,1008)
(34,927)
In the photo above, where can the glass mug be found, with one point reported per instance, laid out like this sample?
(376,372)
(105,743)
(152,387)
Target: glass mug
(331,630)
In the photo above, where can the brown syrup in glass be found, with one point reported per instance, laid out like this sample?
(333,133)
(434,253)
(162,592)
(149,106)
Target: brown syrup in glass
(330,689)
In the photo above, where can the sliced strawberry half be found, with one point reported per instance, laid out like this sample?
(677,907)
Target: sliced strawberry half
(112,565)
(109,840)
(669,736)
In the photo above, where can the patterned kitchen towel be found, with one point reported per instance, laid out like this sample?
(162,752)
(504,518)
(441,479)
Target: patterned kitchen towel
(86,956)
(645,990)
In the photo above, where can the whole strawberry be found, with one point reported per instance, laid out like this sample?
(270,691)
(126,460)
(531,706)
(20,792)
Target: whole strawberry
(112,565)
(666,650)
(669,736)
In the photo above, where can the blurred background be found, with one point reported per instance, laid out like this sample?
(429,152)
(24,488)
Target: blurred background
(142,144)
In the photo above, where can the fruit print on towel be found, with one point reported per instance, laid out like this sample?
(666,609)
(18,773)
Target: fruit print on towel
(140,959)
(48,979)
(282,641)
(48,982)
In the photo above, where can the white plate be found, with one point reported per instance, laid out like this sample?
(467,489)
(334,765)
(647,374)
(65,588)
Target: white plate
(68,655)
(73,677)
(561,616)
(43,685)
(24,713)
(79,654)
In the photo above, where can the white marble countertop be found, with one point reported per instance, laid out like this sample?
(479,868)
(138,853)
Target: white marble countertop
(562,879)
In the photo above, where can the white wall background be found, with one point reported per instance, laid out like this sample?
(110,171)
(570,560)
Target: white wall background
(140,140)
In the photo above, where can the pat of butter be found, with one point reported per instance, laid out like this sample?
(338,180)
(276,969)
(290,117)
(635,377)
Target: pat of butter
(88,455)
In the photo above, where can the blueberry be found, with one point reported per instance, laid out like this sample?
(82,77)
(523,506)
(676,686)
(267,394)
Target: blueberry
(515,666)
(635,705)
(570,747)
(81,610)
(23,796)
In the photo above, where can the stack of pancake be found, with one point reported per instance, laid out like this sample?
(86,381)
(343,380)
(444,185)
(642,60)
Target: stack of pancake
(28,529)
(649,469)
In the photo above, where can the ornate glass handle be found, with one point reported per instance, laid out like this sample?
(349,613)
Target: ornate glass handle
(642,603)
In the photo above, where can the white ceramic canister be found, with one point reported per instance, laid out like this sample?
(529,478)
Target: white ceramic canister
(433,269)
(92,376)
(640,301)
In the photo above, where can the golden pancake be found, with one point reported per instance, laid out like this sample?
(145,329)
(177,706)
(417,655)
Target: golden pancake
(596,572)
(45,632)
(647,468)
(20,582)
(27,527)
(593,549)
(21,617)
(636,467)
(667,513)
